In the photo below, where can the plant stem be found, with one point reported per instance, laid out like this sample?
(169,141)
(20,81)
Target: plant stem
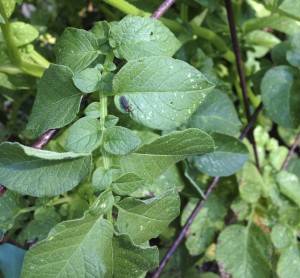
(162,9)
(291,152)
(126,7)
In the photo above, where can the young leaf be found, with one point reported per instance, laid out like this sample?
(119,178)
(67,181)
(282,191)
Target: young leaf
(289,186)
(127,183)
(84,136)
(240,248)
(135,37)
(8,8)
(152,160)
(279,89)
(102,178)
(23,33)
(143,220)
(93,110)
(216,114)
(57,101)
(251,183)
(229,157)
(289,262)
(10,206)
(292,54)
(282,236)
(120,140)
(101,31)
(162,92)
(11,260)
(87,80)
(76,49)
(111,120)
(41,173)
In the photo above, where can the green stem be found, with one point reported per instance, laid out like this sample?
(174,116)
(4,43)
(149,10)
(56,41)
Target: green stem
(184,10)
(126,7)
(10,69)
(39,59)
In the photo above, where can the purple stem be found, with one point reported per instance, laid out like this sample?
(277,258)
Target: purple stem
(291,152)
(44,139)
(239,65)
(162,9)
(186,226)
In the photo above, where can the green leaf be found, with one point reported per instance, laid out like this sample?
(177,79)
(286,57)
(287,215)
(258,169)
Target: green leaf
(87,245)
(101,31)
(216,114)
(143,220)
(289,263)
(229,157)
(23,33)
(290,7)
(79,246)
(76,49)
(8,8)
(279,89)
(87,81)
(120,140)
(84,135)
(135,37)
(57,101)
(152,160)
(240,248)
(207,222)
(292,54)
(102,178)
(250,182)
(41,173)
(130,260)
(290,186)
(261,38)
(127,183)
(282,236)
(111,120)
(45,218)
(162,92)
(93,110)
(10,206)
(11,260)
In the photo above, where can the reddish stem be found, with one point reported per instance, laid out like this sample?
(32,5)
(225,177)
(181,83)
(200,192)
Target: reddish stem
(291,152)
(163,8)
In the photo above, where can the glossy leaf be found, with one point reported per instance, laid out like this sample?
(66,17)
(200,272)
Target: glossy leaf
(8,8)
(41,173)
(152,160)
(87,80)
(229,157)
(240,248)
(216,114)
(279,88)
(76,49)
(57,101)
(127,183)
(11,260)
(135,37)
(162,92)
(290,7)
(143,220)
(84,135)
(102,178)
(282,236)
(120,140)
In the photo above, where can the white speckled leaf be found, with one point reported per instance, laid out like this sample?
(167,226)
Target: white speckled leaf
(143,220)
(41,173)
(162,92)
(134,37)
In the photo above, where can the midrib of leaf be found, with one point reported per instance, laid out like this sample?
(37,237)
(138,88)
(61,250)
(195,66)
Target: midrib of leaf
(141,215)
(65,98)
